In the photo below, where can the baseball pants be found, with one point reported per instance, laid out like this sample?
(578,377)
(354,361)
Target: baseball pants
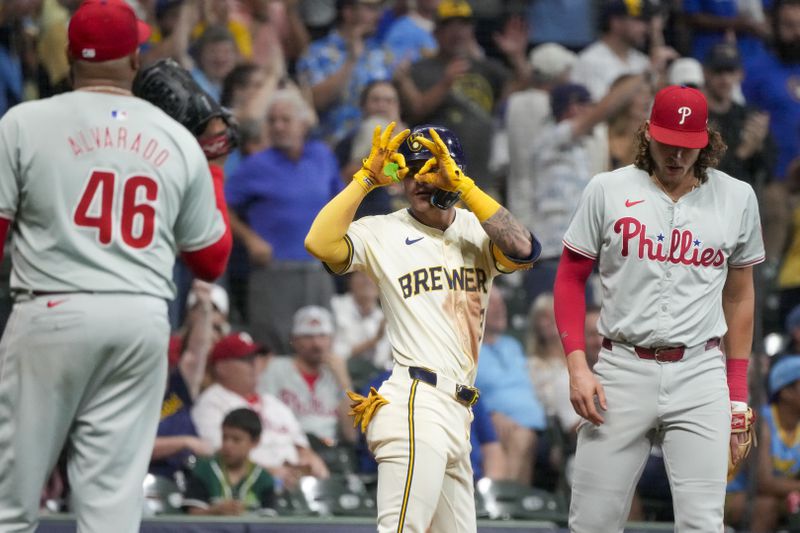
(421,442)
(686,404)
(86,370)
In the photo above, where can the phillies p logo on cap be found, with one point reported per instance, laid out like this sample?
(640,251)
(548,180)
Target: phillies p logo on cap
(680,117)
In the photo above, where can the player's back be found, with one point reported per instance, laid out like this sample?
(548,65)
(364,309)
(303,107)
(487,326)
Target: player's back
(97,187)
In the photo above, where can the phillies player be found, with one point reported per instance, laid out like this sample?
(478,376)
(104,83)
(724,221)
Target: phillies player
(102,189)
(675,242)
(434,264)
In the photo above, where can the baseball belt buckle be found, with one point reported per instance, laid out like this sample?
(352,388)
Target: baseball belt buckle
(657,353)
(466,395)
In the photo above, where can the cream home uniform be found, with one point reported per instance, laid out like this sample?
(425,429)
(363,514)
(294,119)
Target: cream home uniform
(434,289)
(102,189)
(662,267)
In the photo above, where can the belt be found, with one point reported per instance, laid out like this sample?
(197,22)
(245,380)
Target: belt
(662,354)
(463,394)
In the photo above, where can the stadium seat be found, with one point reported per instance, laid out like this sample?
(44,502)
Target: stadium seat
(161,496)
(507,500)
(338,496)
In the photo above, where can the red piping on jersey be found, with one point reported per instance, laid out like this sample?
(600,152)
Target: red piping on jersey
(4,225)
(569,295)
(209,263)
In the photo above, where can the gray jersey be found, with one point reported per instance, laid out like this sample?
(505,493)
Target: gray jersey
(122,188)
(663,264)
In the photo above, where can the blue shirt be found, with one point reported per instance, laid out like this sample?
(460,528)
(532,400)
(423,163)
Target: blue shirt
(703,40)
(280,197)
(408,41)
(324,58)
(785,455)
(775,88)
(505,383)
(175,421)
(547,22)
(481,432)
(10,80)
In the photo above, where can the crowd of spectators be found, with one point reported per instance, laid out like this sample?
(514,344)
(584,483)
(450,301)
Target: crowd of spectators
(543,94)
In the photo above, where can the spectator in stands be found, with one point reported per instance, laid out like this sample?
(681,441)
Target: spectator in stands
(283,448)
(216,56)
(312,381)
(770,87)
(788,276)
(507,392)
(527,111)
(459,88)
(716,21)
(547,364)
(624,27)
(686,71)
(623,123)
(361,329)
(793,330)
(778,451)
(338,67)
(229,483)
(410,37)
(380,105)
(547,23)
(569,151)
(273,197)
(171,37)
(176,438)
(11,80)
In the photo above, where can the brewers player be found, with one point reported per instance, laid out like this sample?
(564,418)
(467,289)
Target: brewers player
(102,189)
(675,242)
(434,266)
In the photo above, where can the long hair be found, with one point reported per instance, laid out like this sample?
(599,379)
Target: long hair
(709,156)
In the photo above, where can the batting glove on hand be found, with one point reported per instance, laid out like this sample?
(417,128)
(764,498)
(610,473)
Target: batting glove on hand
(384,165)
(743,430)
(447,175)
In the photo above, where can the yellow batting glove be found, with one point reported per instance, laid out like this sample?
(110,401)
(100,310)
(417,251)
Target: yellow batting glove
(450,178)
(384,165)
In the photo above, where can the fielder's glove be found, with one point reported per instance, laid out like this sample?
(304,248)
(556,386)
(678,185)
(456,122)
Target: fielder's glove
(384,165)
(170,87)
(742,421)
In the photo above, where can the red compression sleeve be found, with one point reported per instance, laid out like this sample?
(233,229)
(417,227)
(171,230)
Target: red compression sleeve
(4,225)
(737,378)
(569,294)
(209,263)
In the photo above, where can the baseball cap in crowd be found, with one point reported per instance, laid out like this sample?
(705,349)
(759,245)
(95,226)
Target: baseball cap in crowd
(236,346)
(783,373)
(723,57)
(563,96)
(102,30)
(686,71)
(219,299)
(312,320)
(680,117)
(793,319)
(627,8)
(453,10)
(551,60)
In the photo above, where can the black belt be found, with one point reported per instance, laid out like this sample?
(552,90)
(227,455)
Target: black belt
(463,394)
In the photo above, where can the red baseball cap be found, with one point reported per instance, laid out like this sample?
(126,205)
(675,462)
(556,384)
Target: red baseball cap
(102,30)
(680,117)
(235,346)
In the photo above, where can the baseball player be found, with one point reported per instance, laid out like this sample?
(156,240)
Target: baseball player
(434,264)
(102,189)
(675,242)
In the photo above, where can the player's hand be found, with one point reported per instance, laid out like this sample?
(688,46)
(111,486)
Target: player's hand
(441,170)
(198,446)
(259,250)
(737,441)
(384,165)
(583,388)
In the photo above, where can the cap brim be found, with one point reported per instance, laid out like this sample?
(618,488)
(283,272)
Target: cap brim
(144,31)
(683,139)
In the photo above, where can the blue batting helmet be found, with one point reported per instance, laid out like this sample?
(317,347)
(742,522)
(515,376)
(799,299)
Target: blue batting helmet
(413,150)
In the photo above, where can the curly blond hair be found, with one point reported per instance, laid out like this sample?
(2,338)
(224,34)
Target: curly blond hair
(709,156)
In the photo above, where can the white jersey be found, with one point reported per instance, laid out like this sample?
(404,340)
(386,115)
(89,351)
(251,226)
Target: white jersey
(663,264)
(598,66)
(434,287)
(103,189)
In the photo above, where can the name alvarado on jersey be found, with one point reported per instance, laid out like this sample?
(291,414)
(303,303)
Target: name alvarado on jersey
(437,278)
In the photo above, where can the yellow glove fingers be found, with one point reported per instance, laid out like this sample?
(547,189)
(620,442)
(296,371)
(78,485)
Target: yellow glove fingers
(443,150)
(376,136)
(429,144)
(400,161)
(397,140)
(428,166)
(429,178)
(387,134)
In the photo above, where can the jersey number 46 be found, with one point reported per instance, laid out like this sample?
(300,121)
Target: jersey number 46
(135,220)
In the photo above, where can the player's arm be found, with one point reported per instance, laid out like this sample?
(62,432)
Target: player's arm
(326,239)
(514,245)
(738,304)
(209,263)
